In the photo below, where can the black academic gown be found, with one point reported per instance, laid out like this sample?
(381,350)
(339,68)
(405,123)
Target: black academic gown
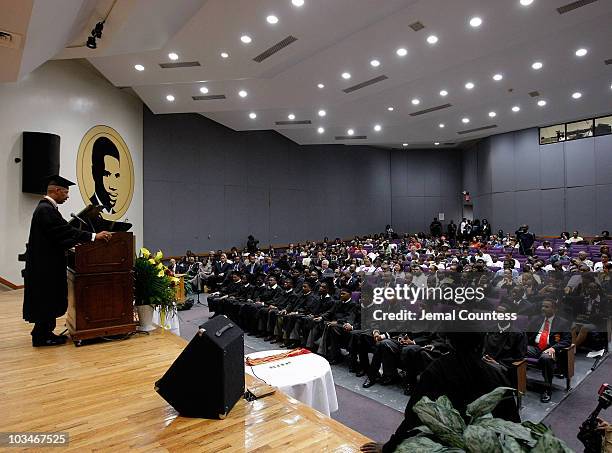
(46,289)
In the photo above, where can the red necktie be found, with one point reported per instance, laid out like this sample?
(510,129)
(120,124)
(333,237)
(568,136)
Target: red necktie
(544,336)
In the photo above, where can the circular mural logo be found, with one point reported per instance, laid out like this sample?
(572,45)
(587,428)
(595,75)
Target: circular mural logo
(105,172)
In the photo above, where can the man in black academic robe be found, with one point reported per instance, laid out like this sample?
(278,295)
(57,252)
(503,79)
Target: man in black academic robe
(46,288)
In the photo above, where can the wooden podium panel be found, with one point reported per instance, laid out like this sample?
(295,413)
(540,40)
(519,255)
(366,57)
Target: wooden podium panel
(101,288)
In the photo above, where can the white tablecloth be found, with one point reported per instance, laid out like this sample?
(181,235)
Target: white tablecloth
(306,378)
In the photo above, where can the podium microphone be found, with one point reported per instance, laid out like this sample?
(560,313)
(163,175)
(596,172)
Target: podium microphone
(74,216)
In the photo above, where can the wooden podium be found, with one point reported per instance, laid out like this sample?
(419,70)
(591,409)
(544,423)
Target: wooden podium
(101,288)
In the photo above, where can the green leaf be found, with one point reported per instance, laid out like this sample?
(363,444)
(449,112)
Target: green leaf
(550,444)
(510,445)
(419,445)
(445,423)
(481,440)
(505,427)
(445,402)
(486,403)
(537,429)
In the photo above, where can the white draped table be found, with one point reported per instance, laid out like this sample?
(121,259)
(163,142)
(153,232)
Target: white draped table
(306,377)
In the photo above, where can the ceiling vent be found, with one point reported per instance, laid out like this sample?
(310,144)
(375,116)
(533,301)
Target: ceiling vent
(432,109)
(483,128)
(608,61)
(208,97)
(181,64)
(534,94)
(367,83)
(10,40)
(417,26)
(351,137)
(275,48)
(289,123)
(574,5)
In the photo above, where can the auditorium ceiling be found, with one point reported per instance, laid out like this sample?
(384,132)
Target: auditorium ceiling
(378,72)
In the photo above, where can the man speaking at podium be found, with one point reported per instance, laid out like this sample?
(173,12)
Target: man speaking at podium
(46,290)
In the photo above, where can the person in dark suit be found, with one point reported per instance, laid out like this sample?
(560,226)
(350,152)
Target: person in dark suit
(46,289)
(548,334)
(435,228)
(525,240)
(451,232)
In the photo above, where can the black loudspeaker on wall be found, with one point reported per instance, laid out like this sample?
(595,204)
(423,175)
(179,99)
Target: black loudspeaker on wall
(207,378)
(41,158)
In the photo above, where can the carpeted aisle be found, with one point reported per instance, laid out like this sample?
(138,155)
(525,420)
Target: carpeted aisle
(567,417)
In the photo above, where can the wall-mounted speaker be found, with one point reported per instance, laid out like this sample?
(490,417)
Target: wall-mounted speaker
(41,158)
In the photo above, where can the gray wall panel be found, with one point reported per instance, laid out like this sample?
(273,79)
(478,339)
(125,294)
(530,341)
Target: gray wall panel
(580,162)
(528,205)
(503,211)
(580,213)
(552,167)
(526,160)
(399,181)
(501,163)
(604,208)
(483,168)
(603,159)
(553,212)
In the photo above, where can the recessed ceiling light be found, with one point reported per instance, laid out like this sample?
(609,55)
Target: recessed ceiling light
(390,109)
(476,22)
(246,39)
(173,56)
(346,75)
(498,77)
(203,90)
(170,98)
(252,115)
(320,130)
(465,120)
(436,143)
(415,101)
(139,67)
(242,93)
(441,125)
(516,108)
(291,116)
(541,102)
(401,52)
(492,114)
(350,132)
(320,86)
(537,65)
(526,2)
(577,95)
(297,3)
(377,127)
(432,39)
(469,85)
(375,63)
(404,144)
(272,19)
(322,113)
(443,93)
(581,52)
(224,55)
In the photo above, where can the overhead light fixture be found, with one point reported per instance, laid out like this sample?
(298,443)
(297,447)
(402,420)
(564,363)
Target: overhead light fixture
(291,116)
(541,102)
(350,132)
(346,75)
(320,130)
(581,52)
(297,3)
(415,101)
(401,52)
(498,77)
(139,67)
(91,42)
(436,143)
(537,65)
(516,108)
(443,93)
(377,127)
(242,93)
(224,55)
(375,63)
(173,56)
(203,90)
(322,113)
(252,115)
(469,85)
(432,39)
(96,33)
(577,95)
(475,22)
(320,86)
(441,125)
(492,114)
(170,98)
(272,19)
(404,144)
(246,39)
(526,2)
(390,109)
(465,120)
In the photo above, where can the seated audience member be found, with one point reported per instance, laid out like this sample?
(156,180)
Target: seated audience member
(545,246)
(574,239)
(172,266)
(462,376)
(548,335)
(599,267)
(583,257)
(505,346)
(252,244)
(216,300)
(591,312)
(604,236)
(287,318)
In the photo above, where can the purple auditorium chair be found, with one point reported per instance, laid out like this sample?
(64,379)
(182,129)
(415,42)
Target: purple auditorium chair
(355,296)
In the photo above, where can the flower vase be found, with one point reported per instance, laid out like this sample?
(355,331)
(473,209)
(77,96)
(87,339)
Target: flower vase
(145,318)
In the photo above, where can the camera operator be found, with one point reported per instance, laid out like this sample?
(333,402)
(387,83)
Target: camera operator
(525,239)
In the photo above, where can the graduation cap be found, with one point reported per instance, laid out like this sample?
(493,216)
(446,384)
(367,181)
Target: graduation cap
(57,180)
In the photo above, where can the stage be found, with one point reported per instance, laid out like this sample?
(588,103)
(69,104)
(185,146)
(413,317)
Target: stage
(102,395)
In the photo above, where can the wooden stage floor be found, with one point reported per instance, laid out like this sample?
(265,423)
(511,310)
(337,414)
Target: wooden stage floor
(103,396)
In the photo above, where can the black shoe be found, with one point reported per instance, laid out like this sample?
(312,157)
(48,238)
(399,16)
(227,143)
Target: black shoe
(275,340)
(360,373)
(388,380)
(51,341)
(545,397)
(369,382)
(268,338)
